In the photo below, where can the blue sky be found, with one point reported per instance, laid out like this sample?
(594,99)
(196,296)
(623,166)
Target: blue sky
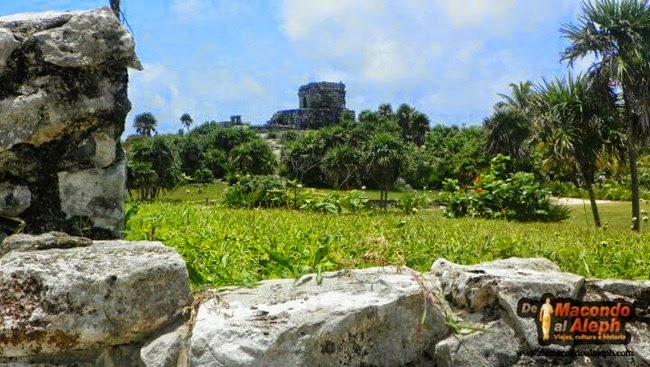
(447,58)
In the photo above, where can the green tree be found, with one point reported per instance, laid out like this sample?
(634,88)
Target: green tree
(145,124)
(341,165)
(303,157)
(519,100)
(216,161)
(385,159)
(508,131)
(385,111)
(454,152)
(617,34)
(186,120)
(574,124)
(414,123)
(254,157)
(152,166)
(191,154)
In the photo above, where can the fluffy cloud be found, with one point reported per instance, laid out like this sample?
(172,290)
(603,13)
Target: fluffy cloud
(168,93)
(443,53)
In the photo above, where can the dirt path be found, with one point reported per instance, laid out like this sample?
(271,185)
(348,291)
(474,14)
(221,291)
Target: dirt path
(577,201)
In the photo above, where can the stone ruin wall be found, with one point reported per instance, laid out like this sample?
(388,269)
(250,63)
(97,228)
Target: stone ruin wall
(63,102)
(322,95)
(320,104)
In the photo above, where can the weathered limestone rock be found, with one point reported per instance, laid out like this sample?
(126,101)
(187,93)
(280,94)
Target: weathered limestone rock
(75,44)
(60,301)
(63,101)
(368,317)
(495,345)
(45,241)
(493,289)
(82,194)
(8,44)
(636,291)
(14,199)
(166,350)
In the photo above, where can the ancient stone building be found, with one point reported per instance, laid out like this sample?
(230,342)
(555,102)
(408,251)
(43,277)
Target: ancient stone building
(321,104)
(63,101)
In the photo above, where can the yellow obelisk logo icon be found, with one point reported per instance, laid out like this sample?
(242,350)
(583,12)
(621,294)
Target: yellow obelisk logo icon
(545,314)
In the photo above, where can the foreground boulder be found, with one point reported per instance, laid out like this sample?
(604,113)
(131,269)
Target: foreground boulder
(60,301)
(371,317)
(63,101)
(487,299)
(75,302)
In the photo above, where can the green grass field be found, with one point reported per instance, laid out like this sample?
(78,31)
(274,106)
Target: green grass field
(242,246)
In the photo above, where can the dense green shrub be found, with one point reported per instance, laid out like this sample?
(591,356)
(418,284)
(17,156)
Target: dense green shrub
(257,191)
(411,202)
(332,202)
(513,196)
(273,192)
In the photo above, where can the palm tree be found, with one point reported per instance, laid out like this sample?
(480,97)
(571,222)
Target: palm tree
(186,120)
(145,123)
(573,124)
(340,165)
(508,131)
(617,33)
(385,158)
(414,123)
(520,99)
(385,111)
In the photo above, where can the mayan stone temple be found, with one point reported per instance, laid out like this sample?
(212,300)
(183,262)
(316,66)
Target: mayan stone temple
(321,104)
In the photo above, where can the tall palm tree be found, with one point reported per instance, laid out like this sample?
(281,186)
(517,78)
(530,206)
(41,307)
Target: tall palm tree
(385,159)
(385,111)
(145,123)
(186,120)
(519,100)
(617,33)
(573,124)
(414,123)
(508,131)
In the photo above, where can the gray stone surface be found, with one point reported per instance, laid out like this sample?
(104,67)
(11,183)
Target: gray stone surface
(495,345)
(165,350)
(495,288)
(8,44)
(111,293)
(45,241)
(14,199)
(63,101)
(321,104)
(75,44)
(365,317)
(97,193)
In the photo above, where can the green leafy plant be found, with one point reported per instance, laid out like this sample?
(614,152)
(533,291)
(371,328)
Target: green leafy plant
(411,202)
(515,196)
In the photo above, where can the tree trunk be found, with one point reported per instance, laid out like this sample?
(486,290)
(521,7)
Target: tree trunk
(634,174)
(592,200)
(636,209)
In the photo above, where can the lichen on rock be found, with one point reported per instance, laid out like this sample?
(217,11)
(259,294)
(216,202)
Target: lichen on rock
(63,101)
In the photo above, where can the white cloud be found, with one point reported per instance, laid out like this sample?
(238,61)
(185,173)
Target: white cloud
(475,12)
(302,19)
(203,94)
(442,54)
